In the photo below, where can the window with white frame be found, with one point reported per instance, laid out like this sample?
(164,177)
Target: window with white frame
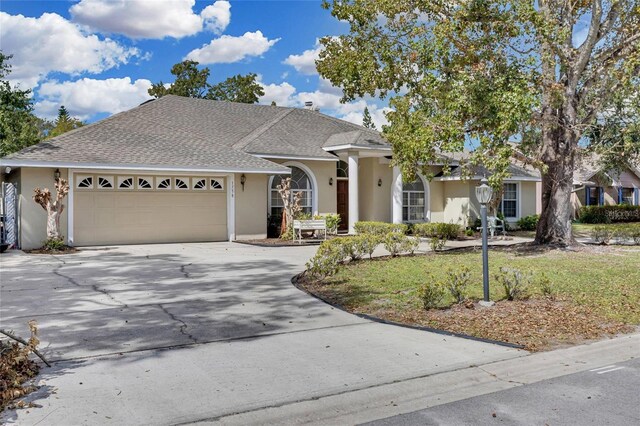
(199,184)
(300,182)
(413,201)
(509,204)
(145,183)
(84,182)
(105,182)
(215,184)
(163,183)
(125,182)
(627,196)
(181,183)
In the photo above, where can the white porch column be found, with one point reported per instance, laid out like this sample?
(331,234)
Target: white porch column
(231,207)
(396,196)
(354,208)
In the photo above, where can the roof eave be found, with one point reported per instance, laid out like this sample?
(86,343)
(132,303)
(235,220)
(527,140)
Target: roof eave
(141,167)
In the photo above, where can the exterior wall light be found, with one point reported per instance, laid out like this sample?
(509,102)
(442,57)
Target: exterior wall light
(56,174)
(243,179)
(330,181)
(379,182)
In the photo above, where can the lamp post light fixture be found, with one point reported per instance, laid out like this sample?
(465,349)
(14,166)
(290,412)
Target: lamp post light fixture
(484,193)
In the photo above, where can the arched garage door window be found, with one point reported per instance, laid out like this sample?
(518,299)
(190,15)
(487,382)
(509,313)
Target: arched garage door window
(300,182)
(413,201)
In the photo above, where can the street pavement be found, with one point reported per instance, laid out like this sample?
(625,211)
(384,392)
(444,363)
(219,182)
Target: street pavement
(605,395)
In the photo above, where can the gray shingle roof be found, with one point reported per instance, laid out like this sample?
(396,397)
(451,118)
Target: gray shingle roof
(198,134)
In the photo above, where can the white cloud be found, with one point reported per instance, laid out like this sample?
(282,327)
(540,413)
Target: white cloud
(305,63)
(86,97)
(217,17)
(326,98)
(228,49)
(281,94)
(51,43)
(377,115)
(154,19)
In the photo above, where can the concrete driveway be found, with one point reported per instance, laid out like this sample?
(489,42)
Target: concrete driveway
(180,333)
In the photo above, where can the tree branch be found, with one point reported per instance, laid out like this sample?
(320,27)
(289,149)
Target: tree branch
(24,342)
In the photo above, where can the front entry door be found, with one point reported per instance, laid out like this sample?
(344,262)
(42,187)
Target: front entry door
(343,204)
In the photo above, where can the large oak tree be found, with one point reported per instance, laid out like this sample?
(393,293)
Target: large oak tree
(546,74)
(192,82)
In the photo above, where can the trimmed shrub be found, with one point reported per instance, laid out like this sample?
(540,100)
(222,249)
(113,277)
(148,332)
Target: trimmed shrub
(368,243)
(328,258)
(410,245)
(432,295)
(545,286)
(447,231)
(528,223)
(437,244)
(609,214)
(380,228)
(395,243)
(602,234)
(332,220)
(515,282)
(351,247)
(53,244)
(457,282)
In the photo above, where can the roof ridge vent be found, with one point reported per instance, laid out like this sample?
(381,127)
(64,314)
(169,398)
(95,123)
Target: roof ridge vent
(309,105)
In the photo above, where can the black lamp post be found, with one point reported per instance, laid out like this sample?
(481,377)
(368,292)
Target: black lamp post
(484,193)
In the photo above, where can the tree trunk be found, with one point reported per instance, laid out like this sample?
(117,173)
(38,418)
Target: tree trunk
(54,212)
(52,224)
(559,142)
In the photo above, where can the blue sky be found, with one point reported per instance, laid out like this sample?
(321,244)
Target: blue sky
(98,57)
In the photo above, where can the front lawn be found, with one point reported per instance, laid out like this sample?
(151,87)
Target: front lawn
(580,230)
(596,292)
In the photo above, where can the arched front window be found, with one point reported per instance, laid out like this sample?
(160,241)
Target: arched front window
(413,201)
(300,182)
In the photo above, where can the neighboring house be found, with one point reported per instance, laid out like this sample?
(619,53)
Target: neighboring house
(594,186)
(182,170)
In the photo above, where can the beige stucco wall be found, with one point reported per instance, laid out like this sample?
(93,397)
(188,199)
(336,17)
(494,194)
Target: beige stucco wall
(32,221)
(457,202)
(375,201)
(251,206)
(437,201)
(577,200)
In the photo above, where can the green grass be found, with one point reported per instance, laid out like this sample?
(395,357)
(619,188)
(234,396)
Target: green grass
(585,229)
(607,280)
(580,230)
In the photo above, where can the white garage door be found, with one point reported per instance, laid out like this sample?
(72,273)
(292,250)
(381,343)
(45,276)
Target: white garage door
(137,209)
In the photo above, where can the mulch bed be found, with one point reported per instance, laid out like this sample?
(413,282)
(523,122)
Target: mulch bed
(64,250)
(535,324)
(278,242)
